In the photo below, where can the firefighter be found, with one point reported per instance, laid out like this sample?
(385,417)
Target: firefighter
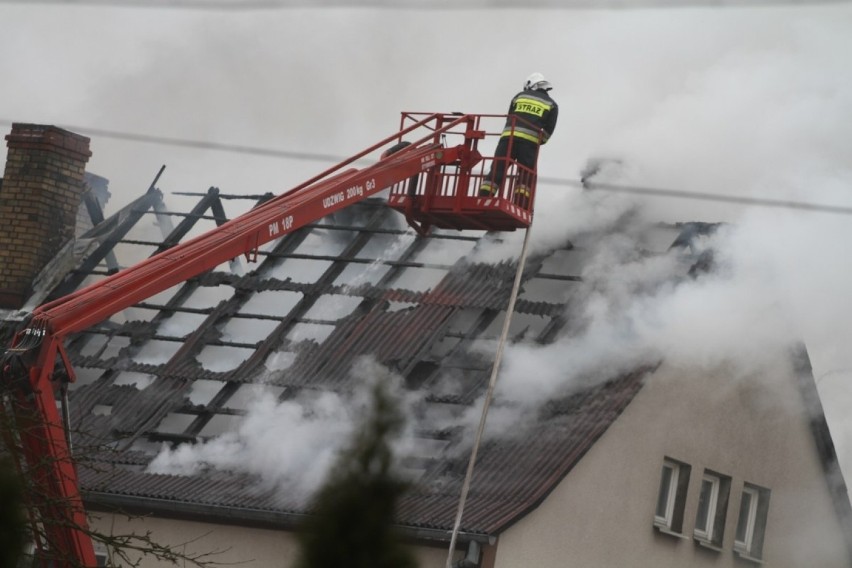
(531,121)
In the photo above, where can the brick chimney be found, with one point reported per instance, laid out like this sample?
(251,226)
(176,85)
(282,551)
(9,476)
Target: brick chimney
(39,198)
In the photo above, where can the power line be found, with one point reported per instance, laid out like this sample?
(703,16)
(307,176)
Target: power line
(736,199)
(199,144)
(233,148)
(588,185)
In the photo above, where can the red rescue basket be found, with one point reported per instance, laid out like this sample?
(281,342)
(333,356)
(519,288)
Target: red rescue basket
(447,196)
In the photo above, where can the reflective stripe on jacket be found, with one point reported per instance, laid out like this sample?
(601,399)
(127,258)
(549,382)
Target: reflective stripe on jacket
(534,109)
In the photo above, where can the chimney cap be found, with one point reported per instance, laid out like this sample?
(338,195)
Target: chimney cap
(27,135)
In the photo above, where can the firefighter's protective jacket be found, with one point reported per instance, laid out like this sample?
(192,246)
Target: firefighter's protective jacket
(534,109)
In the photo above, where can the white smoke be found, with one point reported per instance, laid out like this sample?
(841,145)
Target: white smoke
(292,444)
(753,102)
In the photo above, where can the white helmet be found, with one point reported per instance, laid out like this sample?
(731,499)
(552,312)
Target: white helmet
(537,81)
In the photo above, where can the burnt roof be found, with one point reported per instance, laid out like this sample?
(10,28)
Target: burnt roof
(417,304)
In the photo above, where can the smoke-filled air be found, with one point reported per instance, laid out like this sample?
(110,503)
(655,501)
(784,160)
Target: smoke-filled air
(749,102)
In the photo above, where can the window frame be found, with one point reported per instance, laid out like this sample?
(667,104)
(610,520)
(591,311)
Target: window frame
(706,533)
(670,491)
(743,542)
(30,555)
(671,521)
(750,546)
(715,514)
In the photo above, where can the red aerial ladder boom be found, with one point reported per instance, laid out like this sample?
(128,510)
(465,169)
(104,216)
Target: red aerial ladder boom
(432,182)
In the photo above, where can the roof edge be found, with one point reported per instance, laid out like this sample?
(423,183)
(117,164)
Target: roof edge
(636,378)
(247,517)
(824,442)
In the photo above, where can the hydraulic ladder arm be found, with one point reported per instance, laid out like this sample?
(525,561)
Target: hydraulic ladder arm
(29,366)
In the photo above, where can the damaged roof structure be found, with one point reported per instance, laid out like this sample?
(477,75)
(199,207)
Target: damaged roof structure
(184,367)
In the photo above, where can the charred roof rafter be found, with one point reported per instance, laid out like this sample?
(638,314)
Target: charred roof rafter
(168,387)
(324,284)
(150,412)
(210,200)
(96,215)
(461,350)
(248,368)
(202,336)
(108,233)
(172,238)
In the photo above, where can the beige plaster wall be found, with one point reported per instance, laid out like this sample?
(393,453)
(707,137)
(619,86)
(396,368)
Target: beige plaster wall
(752,429)
(247,547)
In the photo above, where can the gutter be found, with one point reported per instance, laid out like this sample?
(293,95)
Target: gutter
(246,517)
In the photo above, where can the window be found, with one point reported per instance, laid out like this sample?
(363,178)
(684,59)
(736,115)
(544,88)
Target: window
(101,555)
(712,508)
(671,499)
(751,522)
(32,558)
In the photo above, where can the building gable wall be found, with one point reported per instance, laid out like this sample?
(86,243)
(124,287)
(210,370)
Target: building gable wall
(754,430)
